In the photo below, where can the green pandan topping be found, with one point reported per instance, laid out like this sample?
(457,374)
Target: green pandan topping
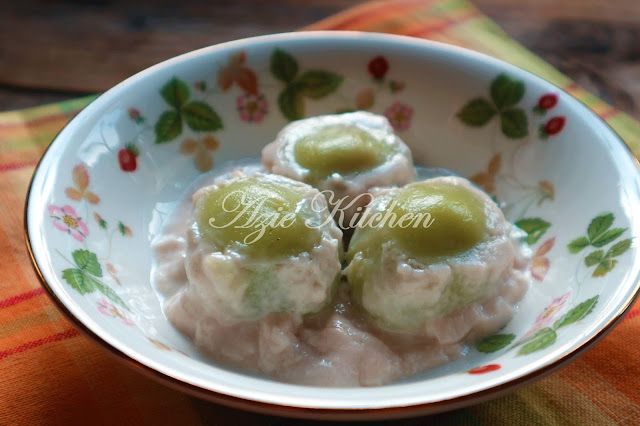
(258,217)
(457,224)
(343,149)
(458,221)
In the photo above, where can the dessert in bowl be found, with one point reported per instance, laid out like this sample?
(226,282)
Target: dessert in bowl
(251,261)
(557,171)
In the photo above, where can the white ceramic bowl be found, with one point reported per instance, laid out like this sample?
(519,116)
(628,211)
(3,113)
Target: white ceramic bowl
(112,175)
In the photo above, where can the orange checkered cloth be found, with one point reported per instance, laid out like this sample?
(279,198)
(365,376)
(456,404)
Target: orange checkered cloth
(49,373)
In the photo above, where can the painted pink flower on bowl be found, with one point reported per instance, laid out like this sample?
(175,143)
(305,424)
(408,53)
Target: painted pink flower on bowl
(399,115)
(66,219)
(107,309)
(252,108)
(548,316)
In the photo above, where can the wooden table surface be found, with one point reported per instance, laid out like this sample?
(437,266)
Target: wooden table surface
(55,50)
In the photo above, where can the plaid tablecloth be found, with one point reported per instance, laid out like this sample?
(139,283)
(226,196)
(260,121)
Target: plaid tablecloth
(50,374)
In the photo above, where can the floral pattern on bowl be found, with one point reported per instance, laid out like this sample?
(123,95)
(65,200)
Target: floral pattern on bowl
(110,178)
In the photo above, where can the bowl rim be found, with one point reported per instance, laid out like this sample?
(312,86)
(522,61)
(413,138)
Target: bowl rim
(301,410)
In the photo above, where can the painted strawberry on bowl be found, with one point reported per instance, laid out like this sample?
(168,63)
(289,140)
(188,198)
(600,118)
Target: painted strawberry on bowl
(128,158)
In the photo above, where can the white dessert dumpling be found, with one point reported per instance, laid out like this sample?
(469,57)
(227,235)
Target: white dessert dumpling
(347,154)
(453,249)
(261,244)
(252,262)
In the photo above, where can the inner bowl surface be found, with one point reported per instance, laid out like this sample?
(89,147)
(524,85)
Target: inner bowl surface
(120,166)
